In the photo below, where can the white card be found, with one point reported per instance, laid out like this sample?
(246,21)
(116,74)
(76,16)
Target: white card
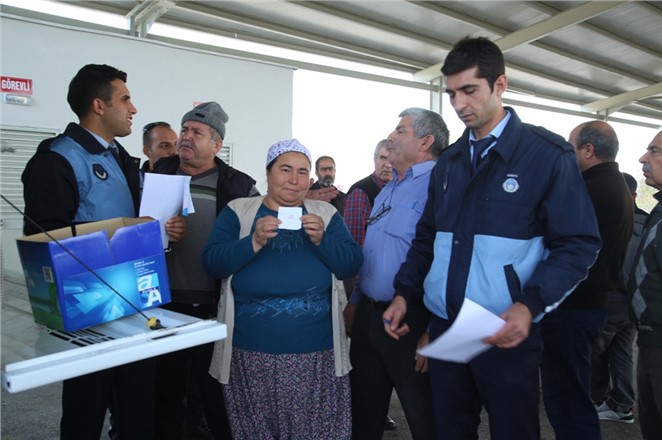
(290,217)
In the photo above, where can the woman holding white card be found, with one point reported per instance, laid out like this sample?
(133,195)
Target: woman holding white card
(285,361)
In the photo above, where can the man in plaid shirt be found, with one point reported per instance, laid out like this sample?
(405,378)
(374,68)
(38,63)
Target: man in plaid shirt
(361,195)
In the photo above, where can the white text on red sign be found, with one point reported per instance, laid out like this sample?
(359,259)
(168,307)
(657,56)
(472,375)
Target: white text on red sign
(16,85)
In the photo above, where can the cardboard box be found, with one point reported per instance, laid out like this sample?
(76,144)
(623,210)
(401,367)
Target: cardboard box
(124,252)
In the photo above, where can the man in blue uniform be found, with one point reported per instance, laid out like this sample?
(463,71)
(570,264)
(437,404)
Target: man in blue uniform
(85,175)
(509,225)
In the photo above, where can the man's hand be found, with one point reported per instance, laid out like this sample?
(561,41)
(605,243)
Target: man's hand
(394,317)
(348,315)
(323,194)
(518,323)
(422,361)
(175,227)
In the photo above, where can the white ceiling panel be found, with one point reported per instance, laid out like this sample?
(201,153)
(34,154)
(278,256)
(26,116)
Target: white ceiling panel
(590,53)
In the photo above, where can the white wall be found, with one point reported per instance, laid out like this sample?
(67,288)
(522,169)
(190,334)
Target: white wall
(164,81)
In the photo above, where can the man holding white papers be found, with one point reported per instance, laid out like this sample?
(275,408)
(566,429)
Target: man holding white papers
(379,363)
(513,230)
(213,185)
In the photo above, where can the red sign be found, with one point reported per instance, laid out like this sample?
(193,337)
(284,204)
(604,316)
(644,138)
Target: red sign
(16,85)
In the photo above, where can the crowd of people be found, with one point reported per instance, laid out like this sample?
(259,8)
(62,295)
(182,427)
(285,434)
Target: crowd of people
(327,297)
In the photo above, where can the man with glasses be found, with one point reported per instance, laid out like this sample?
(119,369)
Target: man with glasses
(159,140)
(380,363)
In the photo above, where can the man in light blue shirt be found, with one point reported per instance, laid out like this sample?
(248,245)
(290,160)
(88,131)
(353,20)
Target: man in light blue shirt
(379,362)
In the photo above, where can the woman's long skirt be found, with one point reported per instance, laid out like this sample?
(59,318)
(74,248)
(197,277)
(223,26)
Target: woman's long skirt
(287,397)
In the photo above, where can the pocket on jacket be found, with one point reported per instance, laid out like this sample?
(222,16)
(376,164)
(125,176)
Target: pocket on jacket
(513,282)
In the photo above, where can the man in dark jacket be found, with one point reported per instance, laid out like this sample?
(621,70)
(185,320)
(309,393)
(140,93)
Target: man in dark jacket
(569,332)
(213,185)
(612,361)
(506,225)
(644,290)
(81,176)
(323,189)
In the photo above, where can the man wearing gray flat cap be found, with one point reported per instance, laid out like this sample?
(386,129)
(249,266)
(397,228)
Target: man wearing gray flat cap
(213,184)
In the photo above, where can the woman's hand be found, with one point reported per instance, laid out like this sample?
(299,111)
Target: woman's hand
(266,228)
(314,227)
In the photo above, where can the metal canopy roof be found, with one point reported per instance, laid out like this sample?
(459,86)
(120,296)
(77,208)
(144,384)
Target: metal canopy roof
(605,56)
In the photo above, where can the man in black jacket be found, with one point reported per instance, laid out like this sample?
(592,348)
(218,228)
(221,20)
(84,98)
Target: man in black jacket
(81,176)
(569,332)
(323,189)
(213,185)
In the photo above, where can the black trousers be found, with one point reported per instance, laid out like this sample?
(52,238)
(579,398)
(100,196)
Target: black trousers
(172,372)
(380,364)
(504,381)
(85,400)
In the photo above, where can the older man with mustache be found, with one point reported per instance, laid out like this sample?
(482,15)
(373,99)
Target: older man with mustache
(213,185)
(645,289)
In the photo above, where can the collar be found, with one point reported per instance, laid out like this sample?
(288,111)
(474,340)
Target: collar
(416,170)
(599,168)
(99,139)
(88,140)
(509,136)
(496,131)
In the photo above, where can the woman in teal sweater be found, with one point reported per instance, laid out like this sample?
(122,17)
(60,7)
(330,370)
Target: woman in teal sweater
(285,361)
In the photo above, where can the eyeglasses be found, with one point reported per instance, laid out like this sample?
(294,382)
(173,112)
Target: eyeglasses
(381,212)
(151,125)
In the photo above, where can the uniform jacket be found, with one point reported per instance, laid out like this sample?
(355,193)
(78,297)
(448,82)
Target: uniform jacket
(72,179)
(521,229)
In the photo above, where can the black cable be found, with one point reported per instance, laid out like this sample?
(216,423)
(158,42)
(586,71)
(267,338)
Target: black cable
(152,323)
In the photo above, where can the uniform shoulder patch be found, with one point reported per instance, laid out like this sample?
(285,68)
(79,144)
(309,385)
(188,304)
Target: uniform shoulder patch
(552,138)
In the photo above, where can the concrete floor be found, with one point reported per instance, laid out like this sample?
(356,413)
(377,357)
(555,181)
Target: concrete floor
(35,414)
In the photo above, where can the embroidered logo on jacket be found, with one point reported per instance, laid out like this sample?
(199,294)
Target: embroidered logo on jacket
(99,171)
(510,185)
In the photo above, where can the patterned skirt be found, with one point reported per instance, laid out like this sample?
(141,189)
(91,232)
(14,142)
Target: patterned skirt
(287,397)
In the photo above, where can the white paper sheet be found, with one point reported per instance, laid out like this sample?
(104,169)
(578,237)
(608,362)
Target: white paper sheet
(165,196)
(291,217)
(463,341)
